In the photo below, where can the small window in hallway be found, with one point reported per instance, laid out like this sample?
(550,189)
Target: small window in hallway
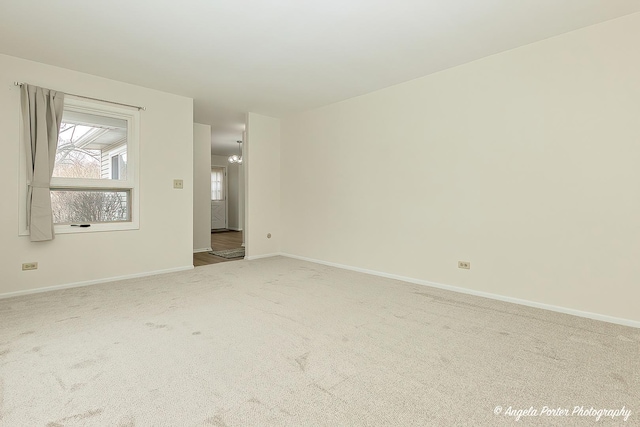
(217,192)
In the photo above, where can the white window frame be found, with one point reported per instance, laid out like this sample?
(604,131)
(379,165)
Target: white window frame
(132,182)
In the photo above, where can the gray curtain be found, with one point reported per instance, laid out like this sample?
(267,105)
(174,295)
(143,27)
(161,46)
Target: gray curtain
(41,117)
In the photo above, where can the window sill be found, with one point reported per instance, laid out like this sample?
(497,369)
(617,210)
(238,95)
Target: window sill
(94,228)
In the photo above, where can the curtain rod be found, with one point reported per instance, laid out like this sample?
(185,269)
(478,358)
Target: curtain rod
(94,99)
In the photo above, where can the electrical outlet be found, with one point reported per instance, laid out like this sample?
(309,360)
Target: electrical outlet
(178,184)
(464,264)
(29,266)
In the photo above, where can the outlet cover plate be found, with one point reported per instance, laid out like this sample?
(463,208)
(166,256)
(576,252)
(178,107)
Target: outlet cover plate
(464,264)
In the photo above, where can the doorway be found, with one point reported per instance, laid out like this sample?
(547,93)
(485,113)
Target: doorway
(220,240)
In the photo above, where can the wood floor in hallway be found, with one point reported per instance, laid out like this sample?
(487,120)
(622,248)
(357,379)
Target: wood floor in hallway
(219,240)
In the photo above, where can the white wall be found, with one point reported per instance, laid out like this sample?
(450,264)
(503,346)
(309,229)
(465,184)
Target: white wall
(234,171)
(219,161)
(262,157)
(164,240)
(201,187)
(525,163)
(242,193)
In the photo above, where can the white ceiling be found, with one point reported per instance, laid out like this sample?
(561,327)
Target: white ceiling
(276,57)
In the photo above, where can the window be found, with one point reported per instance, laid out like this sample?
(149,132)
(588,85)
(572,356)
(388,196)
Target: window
(216,184)
(94,178)
(118,164)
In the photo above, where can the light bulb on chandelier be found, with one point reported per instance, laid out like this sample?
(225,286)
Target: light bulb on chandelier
(237,158)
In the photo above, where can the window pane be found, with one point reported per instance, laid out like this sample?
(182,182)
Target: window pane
(90,206)
(216,184)
(85,146)
(115,171)
(119,165)
(72,162)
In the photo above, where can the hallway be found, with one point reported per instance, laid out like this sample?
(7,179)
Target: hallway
(219,240)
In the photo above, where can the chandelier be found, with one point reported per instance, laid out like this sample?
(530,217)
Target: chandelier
(237,158)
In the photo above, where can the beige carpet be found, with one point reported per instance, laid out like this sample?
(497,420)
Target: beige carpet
(281,342)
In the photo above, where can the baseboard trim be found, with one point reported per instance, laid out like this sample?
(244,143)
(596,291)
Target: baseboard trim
(565,310)
(93,282)
(250,258)
(234,229)
(197,251)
